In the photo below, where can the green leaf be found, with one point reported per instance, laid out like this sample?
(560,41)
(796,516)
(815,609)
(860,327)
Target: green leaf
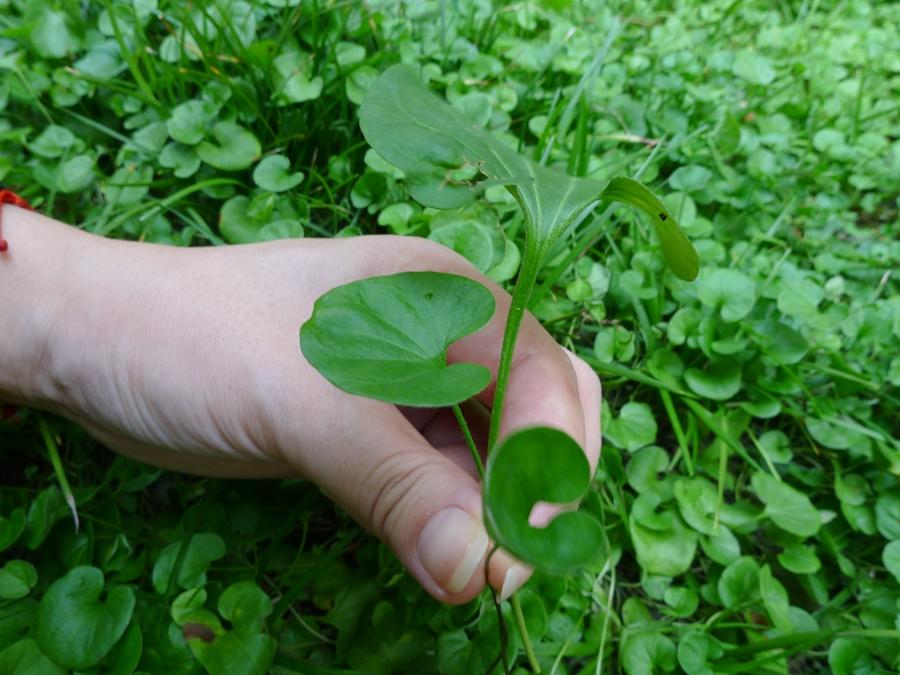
(236,148)
(722,546)
(634,428)
(192,558)
(447,160)
(471,239)
(53,34)
(646,653)
(273,174)
(799,559)
(189,121)
(719,381)
(739,582)
(74,175)
(644,468)
(26,658)
(730,291)
(48,508)
(850,656)
(788,508)
(242,650)
(662,543)
(387,337)
(775,599)
(541,464)
(76,629)
(696,499)
(11,528)
(754,68)
(17,578)
(690,178)
(682,600)
(54,141)
(677,249)
(891,558)
(695,650)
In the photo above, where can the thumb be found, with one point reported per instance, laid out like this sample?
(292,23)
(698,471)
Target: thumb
(415,499)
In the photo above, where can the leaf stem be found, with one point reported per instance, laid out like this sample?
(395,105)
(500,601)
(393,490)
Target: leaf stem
(531,264)
(461,420)
(523,631)
(53,452)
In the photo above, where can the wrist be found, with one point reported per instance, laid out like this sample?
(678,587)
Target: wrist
(36,285)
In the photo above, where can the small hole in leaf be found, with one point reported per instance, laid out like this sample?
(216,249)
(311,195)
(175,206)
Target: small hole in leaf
(662,216)
(429,296)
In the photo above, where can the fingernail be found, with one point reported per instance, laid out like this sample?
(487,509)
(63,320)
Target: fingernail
(515,578)
(451,547)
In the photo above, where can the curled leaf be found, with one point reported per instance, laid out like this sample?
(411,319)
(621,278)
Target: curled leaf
(541,464)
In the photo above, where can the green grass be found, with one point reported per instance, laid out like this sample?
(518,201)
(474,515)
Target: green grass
(750,480)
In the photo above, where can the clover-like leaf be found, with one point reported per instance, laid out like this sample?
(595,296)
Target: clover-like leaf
(25,658)
(241,650)
(17,578)
(387,337)
(448,159)
(788,508)
(189,560)
(546,465)
(237,147)
(76,629)
(273,174)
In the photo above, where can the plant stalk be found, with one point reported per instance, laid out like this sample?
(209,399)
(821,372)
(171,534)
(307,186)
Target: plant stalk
(531,264)
(476,457)
(523,632)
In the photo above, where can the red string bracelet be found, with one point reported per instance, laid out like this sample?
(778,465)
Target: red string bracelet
(9,197)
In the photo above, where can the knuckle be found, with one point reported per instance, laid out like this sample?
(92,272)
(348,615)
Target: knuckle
(386,492)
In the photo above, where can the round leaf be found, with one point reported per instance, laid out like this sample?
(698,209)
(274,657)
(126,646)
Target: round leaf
(76,629)
(236,150)
(799,559)
(273,174)
(541,464)
(387,337)
(788,508)
(17,578)
(719,381)
(192,562)
(891,558)
(733,292)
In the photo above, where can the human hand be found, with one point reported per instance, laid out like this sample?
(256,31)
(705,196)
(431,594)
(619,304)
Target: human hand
(189,359)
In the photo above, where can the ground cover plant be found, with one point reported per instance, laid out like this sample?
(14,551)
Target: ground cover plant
(749,487)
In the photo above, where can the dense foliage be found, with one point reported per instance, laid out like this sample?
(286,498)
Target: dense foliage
(750,480)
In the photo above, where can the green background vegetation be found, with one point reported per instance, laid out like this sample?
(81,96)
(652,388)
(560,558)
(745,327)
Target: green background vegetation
(750,479)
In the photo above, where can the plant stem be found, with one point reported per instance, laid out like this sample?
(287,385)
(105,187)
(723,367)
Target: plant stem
(461,420)
(53,451)
(531,263)
(523,631)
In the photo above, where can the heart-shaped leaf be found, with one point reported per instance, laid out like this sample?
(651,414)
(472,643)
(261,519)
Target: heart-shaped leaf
(17,578)
(76,629)
(387,337)
(237,148)
(25,658)
(546,465)
(447,160)
(242,650)
(788,508)
(273,174)
(189,560)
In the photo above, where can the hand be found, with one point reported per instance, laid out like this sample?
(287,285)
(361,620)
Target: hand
(189,359)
